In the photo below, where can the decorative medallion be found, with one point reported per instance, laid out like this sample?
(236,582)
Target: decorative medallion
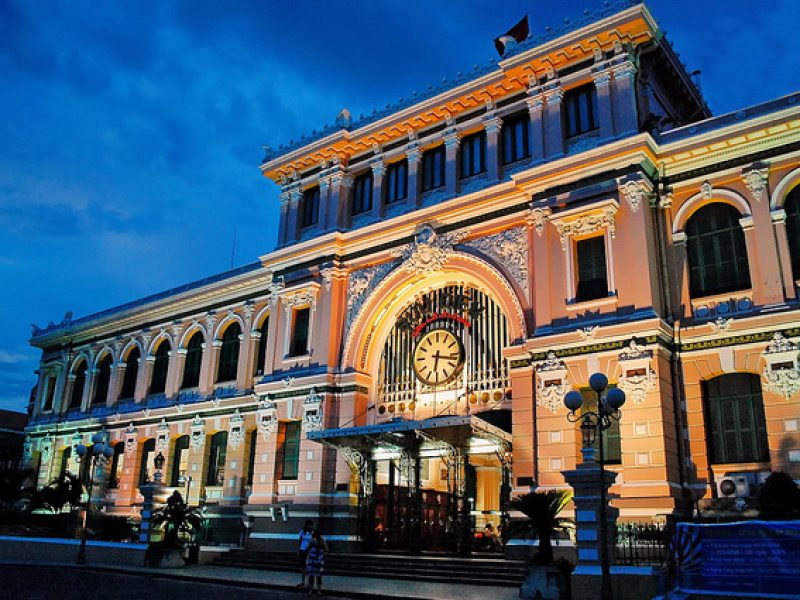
(636,378)
(162,436)
(552,382)
(361,284)
(267,417)
(236,431)
(198,430)
(312,412)
(429,251)
(756,179)
(781,374)
(586,224)
(508,248)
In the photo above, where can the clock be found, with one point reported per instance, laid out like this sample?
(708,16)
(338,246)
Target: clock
(438,357)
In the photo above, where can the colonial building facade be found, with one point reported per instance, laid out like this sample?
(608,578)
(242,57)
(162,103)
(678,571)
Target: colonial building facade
(446,270)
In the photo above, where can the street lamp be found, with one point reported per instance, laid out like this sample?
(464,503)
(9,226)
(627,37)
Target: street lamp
(97,454)
(593,424)
(158,463)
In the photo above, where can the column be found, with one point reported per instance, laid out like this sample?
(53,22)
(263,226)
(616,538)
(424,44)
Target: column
(492,125)
(339,207)
(763,252)
(175,369)
(284,217)
(292,222)
(324,204)
(451,141)
(681,302)
(244,368)
(414,155)
(523,429)
(142,378)
(784,256)
(61,384)
(88,388)
(535,103)
(553,123)
(605,115)
(41,392)
(625,111)
(378,167)
(116,382)
(208,370)
(264,471)
(71,377)
(112,384)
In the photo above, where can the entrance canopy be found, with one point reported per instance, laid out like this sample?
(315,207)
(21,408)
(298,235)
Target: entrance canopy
(468,432)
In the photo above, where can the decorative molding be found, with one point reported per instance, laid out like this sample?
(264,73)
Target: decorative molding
(781,374)
(586,223)
(552,382)
(198,431)
(162,436)
(508,248)
(429,251)
(131,433)
(267,418)
(299,299)
(636,377)
(756,178)
(588,333)
(312,412)
(327,278)
(46,449)
(361,284)
(636,192)
(236,429)
(538,217)
(721,324)
(707,189)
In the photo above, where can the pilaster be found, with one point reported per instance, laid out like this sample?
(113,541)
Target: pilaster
(492,124)
(602,83)
(535,102)
(784,255)
(378,167)
(553,124)
(451,143)
(414,155)
(626,119)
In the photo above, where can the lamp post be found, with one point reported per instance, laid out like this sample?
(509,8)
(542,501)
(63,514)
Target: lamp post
(158,463)
(593,424)
(97,454)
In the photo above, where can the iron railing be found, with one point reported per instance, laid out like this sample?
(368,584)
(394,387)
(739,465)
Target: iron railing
(640,544)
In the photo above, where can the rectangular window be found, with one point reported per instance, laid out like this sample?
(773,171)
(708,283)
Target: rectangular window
(251,457)
(473,154)
(180,461)
(580,110)
(396,182)
(515,138)
(612,446)
(290,451)
(261,354)
(216,459)
(362,193)
(117,466)
(309,212)
(433,165)
(51,390)
(300,322)
(592,276)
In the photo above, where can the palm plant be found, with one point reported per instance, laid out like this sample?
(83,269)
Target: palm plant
(542,510)
(65,490)
(177,518)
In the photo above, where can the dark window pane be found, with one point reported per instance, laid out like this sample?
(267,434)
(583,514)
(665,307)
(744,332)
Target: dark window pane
(103,379)
(229,353)
(291,450)
(473,151)
(180,460)
(131,374)
(396,181)
(160,367)
(309,210)
(592,277)
(735,419)
(261,355)
(193,361)
(146,467)
(433,165)
(612,444)
(215,475)
(580,110)
(792,208)
(117,465)
(362,193)
(716,251)
(77,386)
(251,457)
(299,343)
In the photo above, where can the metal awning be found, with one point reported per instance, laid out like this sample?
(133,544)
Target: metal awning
(455,431)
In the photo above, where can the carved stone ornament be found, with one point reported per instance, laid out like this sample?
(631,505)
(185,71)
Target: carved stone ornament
(312,412)
(267,416)
(429,251)
(307,297)
(27,449)
(361,283)
(585,224)
(46,448)
(327,278)
(636,192)
(781,374)
(198,431)
(587,333)
(756,179)
(236,431)
(508,248)
(707,189)
(552,382)
(162,436)
(131,434)
(721,324)
(636,377)
(538,218)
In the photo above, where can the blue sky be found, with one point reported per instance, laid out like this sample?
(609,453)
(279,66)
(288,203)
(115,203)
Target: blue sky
(131,133)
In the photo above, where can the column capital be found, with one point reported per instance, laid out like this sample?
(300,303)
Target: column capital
(553,92)
(778,216)
(378,166)
(451,138)
(625,69)
(492,123)
(413,153)
(601,76)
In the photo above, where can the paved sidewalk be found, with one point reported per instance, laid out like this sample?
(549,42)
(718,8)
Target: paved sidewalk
(347,587)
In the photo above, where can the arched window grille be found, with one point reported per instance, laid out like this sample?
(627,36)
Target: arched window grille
(193,361)
(131,374)
(77,386)
(735,419)
(792,208)
(229,353)
(716,251)
(103,379)
(160,368)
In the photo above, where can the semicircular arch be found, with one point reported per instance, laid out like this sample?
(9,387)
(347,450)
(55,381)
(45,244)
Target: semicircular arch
(787,183)
(226,322)
(699,200)
(189,333)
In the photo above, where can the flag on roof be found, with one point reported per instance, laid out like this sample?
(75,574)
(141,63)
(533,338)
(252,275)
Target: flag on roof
(516,35)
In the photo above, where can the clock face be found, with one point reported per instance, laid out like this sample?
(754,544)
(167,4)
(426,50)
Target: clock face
(438,357)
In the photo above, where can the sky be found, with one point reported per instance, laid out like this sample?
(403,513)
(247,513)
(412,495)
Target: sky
(131,133)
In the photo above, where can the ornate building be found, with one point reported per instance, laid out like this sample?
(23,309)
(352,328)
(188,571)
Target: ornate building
(446,270)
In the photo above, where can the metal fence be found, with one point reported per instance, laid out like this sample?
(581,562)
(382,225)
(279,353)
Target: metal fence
(640,544)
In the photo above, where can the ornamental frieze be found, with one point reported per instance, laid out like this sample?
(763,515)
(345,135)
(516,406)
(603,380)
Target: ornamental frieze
(508,248)
(781,374)
(552,382)
(636,377)
(361,284)
(429,251)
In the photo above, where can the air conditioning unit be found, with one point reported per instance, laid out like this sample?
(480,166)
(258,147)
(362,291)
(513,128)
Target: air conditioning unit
(739,485)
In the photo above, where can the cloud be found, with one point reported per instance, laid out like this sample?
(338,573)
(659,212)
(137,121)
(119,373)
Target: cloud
(11,358)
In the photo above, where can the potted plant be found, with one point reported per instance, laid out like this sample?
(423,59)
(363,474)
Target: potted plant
(180,524)
(541,509)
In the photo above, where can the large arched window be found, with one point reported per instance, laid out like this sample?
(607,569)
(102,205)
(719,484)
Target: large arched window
(103,379)
(229,353)
(160,367)
(735,419)
(78,384)
(261,354)
(131,374)
(792,208)
(193,361)
(716,251)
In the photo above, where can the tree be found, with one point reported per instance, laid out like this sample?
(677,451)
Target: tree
(65,490)
(177,518)
(779,498)
(542,510)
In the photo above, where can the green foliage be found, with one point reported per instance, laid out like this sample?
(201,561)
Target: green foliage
(542,510)
(178,520)
(64,491)
(779,498)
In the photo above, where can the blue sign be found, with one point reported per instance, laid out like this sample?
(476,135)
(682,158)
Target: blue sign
(750,558)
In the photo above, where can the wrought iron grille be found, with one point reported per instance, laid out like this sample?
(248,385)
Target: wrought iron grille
(640,544)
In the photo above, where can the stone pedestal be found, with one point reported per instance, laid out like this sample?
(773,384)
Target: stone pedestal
(153,494)
(586,481)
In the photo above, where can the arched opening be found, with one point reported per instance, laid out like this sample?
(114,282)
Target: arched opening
(716,250)
(193,362)
(261,353)
(147,467)
(158,383)
(735,422)
(76,398)
(103,380)
(215,474)
(792,208)
(131,374)
(117,465)
(229,353)
(180,462)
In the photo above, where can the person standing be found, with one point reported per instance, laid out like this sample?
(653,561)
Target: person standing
(315,562)
(304,542)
